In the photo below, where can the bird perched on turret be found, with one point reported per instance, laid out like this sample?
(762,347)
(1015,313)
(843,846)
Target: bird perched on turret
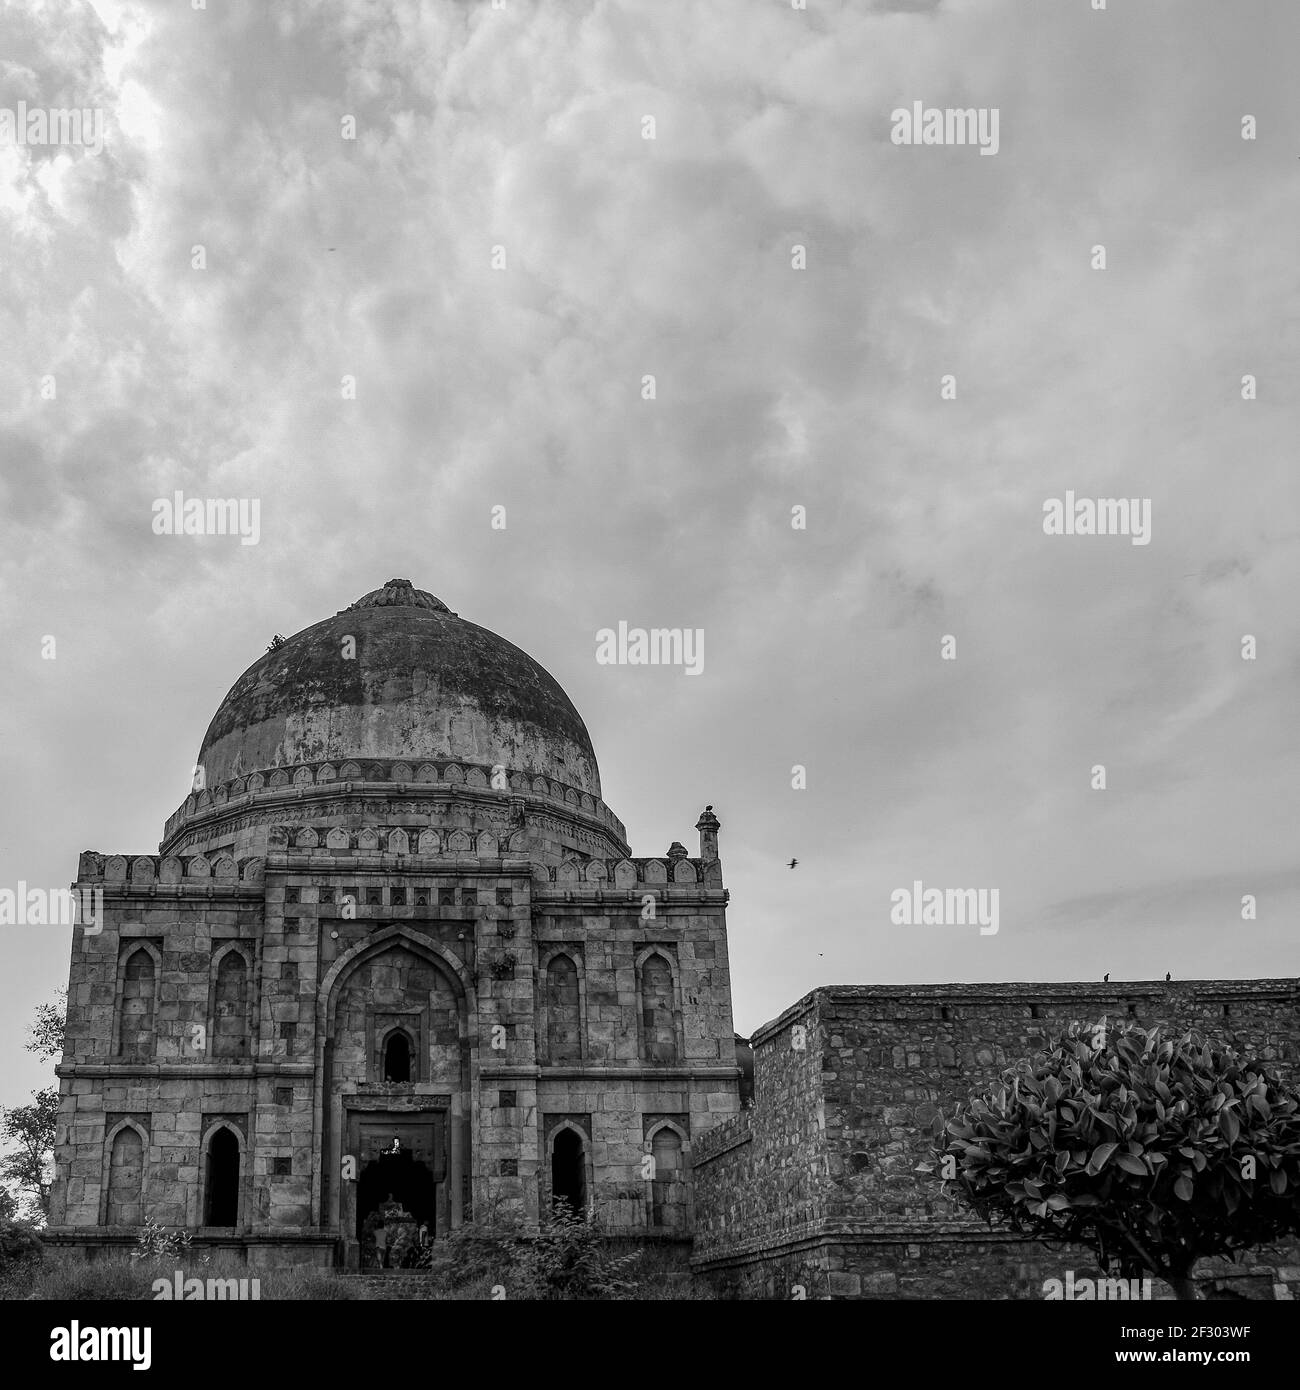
(1106,977)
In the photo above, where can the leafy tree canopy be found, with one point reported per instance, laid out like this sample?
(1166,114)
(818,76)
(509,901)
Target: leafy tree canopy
(28,1130)
(1150,1150)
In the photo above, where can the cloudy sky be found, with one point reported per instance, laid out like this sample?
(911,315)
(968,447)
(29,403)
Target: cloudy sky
(519,385)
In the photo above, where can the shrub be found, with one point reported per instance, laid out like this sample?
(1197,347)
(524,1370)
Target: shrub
(1151,1150)
(569,1258)
(157,1245)
(21,1252)
(486,1249)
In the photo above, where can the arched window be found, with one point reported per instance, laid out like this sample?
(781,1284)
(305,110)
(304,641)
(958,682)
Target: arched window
(230,1007)
(397,1058)
(658,1025)
(668,1185)
(563,1021)
(125,1177)
(221,1185)
(569,1171)
(135,1021)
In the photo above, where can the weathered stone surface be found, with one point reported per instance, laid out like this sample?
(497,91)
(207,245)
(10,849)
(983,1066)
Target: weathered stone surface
(821,1176)
(353,926)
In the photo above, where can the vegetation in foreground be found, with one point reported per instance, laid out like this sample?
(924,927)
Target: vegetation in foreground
(1151,1150)
(567,1260)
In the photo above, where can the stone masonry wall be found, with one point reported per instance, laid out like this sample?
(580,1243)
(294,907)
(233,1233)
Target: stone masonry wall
(761,1178)
(883,1067)
(896,1062)
(167,1092)
(247,1050)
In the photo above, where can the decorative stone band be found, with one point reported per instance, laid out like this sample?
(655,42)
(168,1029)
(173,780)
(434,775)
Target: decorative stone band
(630,873)
(379,773)
(143,869)
(400,842)
(603,872)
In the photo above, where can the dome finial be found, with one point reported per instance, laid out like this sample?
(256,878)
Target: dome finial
(400,593)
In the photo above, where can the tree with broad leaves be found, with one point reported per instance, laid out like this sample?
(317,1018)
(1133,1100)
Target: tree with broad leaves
(47,1028)
(1149,1149)
(29,1130)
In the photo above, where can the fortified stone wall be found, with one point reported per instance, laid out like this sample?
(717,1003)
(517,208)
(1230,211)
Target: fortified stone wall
(761,1177)
(817,1187)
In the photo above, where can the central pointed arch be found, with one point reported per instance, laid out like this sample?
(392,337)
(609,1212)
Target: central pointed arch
(374,945)
(442,1078)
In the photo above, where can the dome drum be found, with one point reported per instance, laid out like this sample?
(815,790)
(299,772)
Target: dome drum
(320,791)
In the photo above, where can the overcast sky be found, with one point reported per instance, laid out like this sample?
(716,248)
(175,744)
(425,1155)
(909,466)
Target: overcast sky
(521,387)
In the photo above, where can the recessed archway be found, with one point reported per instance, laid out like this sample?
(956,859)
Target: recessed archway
(397,973)
(124,1187)
(397,1057)
(569,1170)
(221,1179)
(668,1198)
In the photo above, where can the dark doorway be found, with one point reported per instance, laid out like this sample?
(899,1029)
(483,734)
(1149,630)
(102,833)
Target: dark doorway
(393,1189)
(569,1171)
(221,1199)
(397,1058)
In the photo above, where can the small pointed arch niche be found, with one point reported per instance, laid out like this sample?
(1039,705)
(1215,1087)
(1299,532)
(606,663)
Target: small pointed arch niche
(398,1057)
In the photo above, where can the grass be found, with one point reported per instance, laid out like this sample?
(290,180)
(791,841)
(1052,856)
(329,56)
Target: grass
(117,1278)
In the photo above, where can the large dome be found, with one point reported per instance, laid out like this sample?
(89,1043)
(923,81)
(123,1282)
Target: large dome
(416,683)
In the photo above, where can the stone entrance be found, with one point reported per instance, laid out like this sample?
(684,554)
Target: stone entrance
(403,1163)
(401,1185)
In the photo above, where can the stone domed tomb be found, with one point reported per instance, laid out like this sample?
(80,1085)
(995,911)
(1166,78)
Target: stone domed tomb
(393,961)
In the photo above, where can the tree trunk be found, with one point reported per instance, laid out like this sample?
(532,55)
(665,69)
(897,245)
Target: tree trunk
(1183,1285)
